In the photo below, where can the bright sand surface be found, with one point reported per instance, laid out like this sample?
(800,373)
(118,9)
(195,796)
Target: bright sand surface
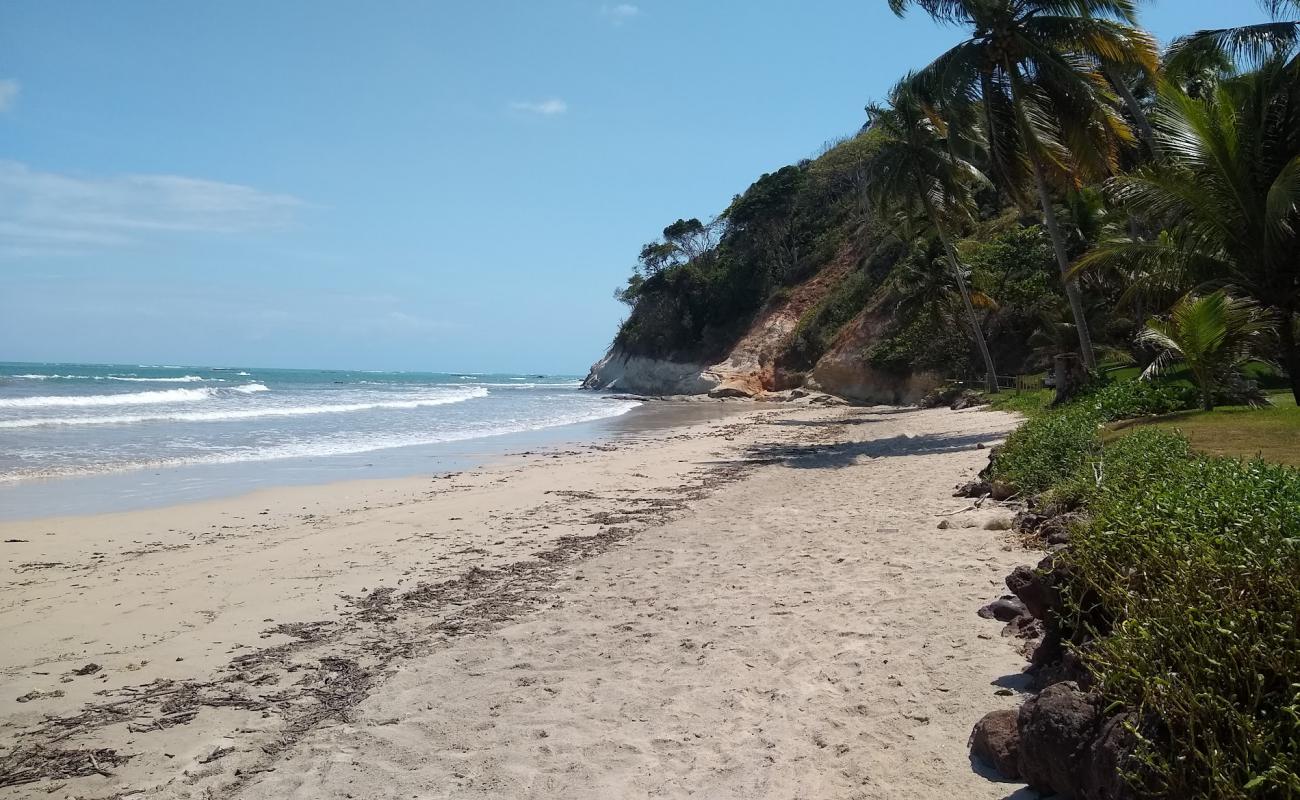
(758,606)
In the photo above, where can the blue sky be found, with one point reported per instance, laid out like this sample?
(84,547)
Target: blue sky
(400,185)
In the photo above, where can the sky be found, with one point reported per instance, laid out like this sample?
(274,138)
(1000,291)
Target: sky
(435,185)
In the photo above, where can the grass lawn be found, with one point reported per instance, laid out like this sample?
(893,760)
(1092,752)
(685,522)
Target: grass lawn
(1272,434)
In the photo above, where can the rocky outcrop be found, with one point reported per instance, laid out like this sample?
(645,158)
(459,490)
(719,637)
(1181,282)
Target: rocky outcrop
(752,365)
(845,371)
(621,372)
(996,742)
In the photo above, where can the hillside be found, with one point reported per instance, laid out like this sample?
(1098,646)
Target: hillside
(798,284)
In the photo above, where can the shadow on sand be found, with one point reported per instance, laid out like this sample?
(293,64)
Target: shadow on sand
(843,454)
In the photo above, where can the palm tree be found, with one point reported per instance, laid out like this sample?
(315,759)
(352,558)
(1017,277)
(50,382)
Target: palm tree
(915,171)
(1214,336)
(1227,194)
(1207,55)
(1037,69)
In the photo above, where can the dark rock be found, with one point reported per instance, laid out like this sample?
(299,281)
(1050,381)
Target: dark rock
(996,741)
(967,399)
(972,489)
(1058,664)
(1027,522)
(1024,627)
(1057,530)
(1037,586)
(1057,729)
(1026,584)
(1004,609)
(89,669)
(1109,759)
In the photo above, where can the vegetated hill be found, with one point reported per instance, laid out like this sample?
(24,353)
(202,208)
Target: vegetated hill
(797,283)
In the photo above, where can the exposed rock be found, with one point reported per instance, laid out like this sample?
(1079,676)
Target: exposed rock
(731,389)
(1109,760)
(1057,729)
(996,741)
(1027,522)
(1025,583)
(1036,586)
(1004,609)
(843,370)
(967,399)
(1056,530)
(977,488)
(1025,626)
(639,375)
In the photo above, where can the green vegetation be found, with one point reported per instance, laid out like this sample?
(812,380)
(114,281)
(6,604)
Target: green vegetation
(1272,434)
(1185,585)
(1189,577)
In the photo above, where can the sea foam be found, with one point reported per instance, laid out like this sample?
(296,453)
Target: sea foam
(246,413)
(124,399)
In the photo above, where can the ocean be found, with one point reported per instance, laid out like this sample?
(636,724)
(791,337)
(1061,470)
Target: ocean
(63,421)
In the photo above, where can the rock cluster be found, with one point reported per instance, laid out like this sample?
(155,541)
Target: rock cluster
(1061,739)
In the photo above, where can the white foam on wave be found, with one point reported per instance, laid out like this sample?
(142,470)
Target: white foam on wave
(126,378)
(124,399)
(250,388)
(136,379)
(342,446)
(249,413)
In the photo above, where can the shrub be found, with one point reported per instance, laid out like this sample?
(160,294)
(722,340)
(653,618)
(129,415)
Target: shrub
(1193,565)
(1129,399)
(1048,450)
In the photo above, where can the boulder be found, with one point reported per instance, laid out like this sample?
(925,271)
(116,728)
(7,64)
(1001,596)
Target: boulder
(978,488)
(731,389)
(1056,530)
(1110,759)
(1004,609)
(996,742)
(1057,729)
(1026,584)
(1037,586)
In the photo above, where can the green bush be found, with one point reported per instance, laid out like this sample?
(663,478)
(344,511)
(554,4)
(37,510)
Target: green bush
(1129,399)
(1192,564)
(1048,450)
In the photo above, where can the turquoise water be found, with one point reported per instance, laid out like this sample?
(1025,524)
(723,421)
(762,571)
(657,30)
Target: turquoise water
(74,420)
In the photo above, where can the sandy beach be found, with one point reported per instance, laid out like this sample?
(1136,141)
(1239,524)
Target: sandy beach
(756,606)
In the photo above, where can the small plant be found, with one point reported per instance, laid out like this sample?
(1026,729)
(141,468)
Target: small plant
(1216,336)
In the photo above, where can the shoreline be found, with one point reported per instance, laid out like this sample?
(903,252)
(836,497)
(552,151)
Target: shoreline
(141,488)
(235,633)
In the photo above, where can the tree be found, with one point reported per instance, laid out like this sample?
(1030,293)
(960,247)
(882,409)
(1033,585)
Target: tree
(1227,195)
(1215,336)
(1036,67)
(683,241)
(914,171)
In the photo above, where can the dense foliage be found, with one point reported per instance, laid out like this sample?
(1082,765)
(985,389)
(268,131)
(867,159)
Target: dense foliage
(1193,565)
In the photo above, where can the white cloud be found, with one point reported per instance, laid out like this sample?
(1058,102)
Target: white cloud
(618,14)
(47,212)
(547,108)
(9,89)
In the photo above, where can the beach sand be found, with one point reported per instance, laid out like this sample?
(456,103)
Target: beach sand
(758,606)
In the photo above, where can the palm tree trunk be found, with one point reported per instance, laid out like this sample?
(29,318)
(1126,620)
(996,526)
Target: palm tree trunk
(1290,351)
(1063,263)
(990,372)
(1140,121)
(1054,228)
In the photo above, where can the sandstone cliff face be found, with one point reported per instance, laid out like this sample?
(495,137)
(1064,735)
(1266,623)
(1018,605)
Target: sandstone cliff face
(750,368)
(845,371)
